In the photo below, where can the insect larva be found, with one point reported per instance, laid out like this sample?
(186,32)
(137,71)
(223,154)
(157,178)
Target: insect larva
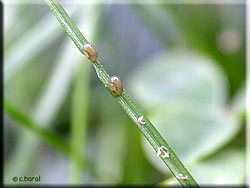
(115,85)
(90,52)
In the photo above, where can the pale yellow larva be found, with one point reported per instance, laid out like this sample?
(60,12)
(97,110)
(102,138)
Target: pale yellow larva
(90,52)
(115,85)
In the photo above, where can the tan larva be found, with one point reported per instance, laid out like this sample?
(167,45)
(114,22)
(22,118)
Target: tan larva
(115,85)
(90,52)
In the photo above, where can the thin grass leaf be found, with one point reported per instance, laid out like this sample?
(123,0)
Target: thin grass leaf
(128,105)
(10,13)
(28,142)
(57,87)
(33,42)
(79,119)
(49,137)
(80,100)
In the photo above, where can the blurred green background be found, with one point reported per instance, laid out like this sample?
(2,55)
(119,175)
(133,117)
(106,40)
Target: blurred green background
(184,64)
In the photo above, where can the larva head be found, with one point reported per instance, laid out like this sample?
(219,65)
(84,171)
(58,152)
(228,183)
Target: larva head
(115,85)
(90,52)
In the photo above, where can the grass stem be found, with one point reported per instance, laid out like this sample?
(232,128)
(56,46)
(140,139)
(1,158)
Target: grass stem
(126,102)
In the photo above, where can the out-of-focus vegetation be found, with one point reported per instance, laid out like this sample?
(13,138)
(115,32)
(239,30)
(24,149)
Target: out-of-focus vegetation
(184,64)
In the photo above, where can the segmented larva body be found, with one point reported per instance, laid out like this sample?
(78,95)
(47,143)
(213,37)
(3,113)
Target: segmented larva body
(115,85)
(90,52)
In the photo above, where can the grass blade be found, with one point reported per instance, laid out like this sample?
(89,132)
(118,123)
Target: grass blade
(80,100)
(129,106)
(53,93)
(35,45)
(51,138)
(79,119)
(69,26)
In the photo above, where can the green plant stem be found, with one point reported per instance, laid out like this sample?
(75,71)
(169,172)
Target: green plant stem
(128,105)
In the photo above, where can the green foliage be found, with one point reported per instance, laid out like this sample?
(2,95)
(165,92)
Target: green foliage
(129,106)
(172,58)
(52,138)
